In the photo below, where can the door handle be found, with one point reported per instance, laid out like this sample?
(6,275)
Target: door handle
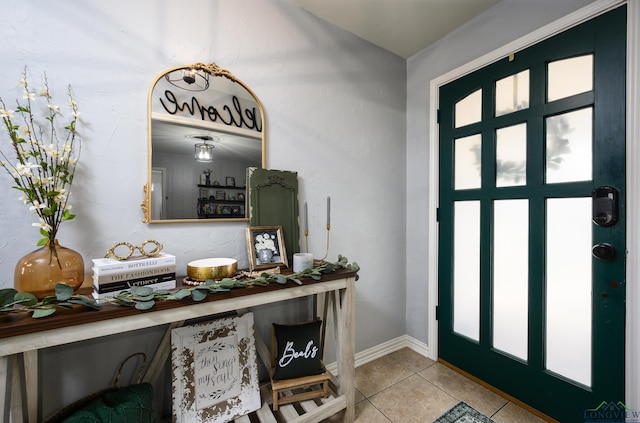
(603,251)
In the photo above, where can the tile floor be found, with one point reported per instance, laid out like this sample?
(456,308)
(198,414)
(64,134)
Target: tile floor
(405,387)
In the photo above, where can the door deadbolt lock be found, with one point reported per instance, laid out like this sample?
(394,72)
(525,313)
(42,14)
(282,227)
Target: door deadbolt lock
(603,251)
(605,206)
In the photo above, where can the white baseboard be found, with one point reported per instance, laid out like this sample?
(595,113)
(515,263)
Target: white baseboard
(373,353)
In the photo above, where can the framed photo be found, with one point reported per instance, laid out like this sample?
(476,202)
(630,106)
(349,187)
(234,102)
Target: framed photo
(230,181)
(220,195)
(214,371)
(265,247)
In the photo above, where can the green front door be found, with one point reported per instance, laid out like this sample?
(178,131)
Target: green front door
(524,304)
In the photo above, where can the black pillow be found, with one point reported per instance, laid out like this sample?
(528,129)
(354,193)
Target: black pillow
(298,351)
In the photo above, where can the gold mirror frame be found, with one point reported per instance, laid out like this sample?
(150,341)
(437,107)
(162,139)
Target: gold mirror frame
(199,78)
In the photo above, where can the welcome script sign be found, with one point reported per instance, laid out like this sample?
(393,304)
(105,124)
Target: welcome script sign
(234,114)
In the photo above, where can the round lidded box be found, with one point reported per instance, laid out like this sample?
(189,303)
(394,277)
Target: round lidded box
(211,268)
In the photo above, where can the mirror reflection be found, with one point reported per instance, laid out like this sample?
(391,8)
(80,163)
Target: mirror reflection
(206,128)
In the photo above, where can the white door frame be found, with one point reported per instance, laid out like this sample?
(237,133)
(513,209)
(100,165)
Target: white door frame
(632,320)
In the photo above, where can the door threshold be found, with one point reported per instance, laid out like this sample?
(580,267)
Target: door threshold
(499,392)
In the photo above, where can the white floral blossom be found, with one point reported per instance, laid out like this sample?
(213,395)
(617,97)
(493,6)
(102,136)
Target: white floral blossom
(42,225)
(37,206)
(45,181)
(51,150)
(61,197)
(25,169)
(43,167)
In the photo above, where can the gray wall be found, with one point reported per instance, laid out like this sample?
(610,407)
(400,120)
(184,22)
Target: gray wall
(335,113)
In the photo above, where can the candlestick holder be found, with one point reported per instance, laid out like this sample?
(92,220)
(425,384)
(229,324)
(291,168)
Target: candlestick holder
(328,237)
(306,236)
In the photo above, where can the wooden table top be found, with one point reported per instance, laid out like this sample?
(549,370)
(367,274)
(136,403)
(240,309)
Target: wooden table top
(21,323)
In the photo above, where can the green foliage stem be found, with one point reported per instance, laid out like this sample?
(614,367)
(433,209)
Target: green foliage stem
(144,297)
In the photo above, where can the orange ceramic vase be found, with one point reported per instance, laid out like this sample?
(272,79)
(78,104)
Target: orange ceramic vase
(39,271)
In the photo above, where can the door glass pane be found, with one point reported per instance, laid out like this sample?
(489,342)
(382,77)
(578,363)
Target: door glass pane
(511,276)
(511,155)
(569,150)
(569,77)
(469,109)
(466,269)
(467,162)
(512,93)
(568,291)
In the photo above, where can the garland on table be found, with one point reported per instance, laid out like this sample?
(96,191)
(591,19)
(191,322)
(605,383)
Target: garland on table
(144,297)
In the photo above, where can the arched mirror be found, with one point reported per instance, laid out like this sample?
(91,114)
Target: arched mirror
(206,129)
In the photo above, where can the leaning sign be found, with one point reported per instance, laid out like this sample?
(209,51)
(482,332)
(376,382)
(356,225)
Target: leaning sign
(214,370)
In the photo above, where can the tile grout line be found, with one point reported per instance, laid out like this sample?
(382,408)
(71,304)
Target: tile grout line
(415,373)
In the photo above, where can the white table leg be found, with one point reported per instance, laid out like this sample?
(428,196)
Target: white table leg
(31,384)
(6,375)
(17,392)
(343,306)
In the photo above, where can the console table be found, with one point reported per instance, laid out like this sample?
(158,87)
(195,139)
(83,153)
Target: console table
(21,337)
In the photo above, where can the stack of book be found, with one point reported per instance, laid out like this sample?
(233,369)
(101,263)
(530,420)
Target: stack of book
(110,276)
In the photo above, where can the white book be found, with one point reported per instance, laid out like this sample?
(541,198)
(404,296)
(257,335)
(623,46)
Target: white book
(102,266)
(156,286)
(128,275)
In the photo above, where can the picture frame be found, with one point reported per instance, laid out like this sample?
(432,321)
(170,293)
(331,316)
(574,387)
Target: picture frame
(230,181)
(214,370)
(265,247)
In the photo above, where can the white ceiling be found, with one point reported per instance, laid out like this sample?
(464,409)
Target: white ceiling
(403,27)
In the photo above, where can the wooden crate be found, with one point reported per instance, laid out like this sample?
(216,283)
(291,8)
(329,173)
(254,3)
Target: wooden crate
(314,410)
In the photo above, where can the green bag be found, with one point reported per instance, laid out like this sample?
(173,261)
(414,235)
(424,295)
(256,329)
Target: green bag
(130,404)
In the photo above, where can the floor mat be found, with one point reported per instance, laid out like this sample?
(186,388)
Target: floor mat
(463,413)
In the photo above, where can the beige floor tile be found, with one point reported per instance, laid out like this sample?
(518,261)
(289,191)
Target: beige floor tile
(379,374)
(413,400)
(405,387)
(365,413)
(512,413)
(414,361)
(464,389)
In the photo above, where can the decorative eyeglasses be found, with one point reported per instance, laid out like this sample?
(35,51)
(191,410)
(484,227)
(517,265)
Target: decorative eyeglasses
(148,248)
